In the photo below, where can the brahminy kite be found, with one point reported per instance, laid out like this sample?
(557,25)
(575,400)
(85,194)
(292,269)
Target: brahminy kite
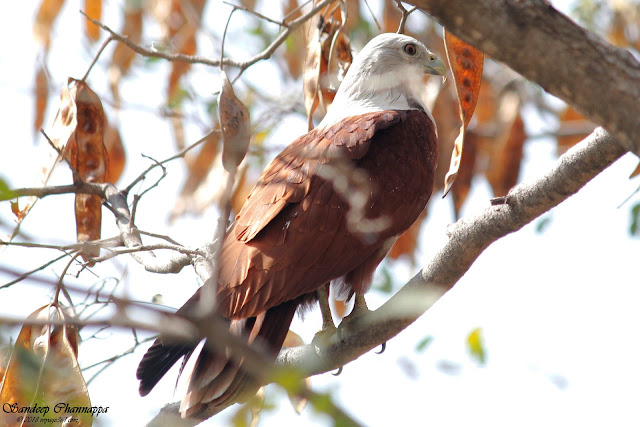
(327,209)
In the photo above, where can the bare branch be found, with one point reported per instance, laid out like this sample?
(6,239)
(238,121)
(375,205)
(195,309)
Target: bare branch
(21,276)
(537,31)
(178,155)
(79,188)
(253,12)
(95,59)
(215,62)
(405,15)
(373,15)
(177,248)
(468,238)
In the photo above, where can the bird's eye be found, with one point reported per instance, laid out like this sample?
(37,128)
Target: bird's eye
(410,49)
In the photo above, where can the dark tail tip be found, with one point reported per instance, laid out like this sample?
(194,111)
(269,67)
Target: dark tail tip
(157,361)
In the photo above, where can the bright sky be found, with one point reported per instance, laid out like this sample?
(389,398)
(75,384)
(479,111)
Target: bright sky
(558,310)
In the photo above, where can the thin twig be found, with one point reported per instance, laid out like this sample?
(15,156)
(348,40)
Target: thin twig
(59,285)
(96,189)
(108,242)
(154,185)
(29,273)
(373,15)
(95,59)
(109,361)
(224,36)
(253,12)
(405,15)
(178,155)
(160,236)
(296,10)
(154,247)
(215,62)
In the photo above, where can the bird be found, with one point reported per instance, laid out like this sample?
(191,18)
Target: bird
(327,209)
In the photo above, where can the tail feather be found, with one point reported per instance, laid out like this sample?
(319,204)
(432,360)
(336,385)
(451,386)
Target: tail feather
(216,381)
(157,361)
(235,384)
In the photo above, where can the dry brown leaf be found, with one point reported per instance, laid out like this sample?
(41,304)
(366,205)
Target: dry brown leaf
(5,354)
(63,127)
(337,52)
(466,63)
(85,153)
(180,68)
(235,123)
(47,14)
(183,24)
(407,242)
(570,118)
(122,55)
(294,46)
(391,16)
(635,172)
(116,156)
(446,113)
(327,60)
(617,29)
(243,188)
(460,191)
(93,9)
(15,209)
(41,96)
(311,74)
(203,193)
(249,4)
(177,127)
(505,150)
(43,370)
(198,167)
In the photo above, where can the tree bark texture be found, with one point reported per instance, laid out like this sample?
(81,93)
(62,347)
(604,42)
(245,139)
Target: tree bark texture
(545,46)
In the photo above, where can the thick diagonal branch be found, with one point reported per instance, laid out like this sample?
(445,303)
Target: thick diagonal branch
(530,36)
(468,238)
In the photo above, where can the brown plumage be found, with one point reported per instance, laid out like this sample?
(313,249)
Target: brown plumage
(327,209)
(292,235)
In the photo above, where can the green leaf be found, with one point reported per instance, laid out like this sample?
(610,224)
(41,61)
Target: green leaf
(476,346)
(424,343)
(5,192)
(178,98)
(635,213)
(543,224)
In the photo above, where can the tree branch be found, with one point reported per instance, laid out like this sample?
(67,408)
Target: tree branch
(545,46)
(117,201)
(468,238)
(192,59)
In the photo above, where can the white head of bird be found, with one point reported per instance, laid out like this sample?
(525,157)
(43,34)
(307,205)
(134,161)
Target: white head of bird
(387,74)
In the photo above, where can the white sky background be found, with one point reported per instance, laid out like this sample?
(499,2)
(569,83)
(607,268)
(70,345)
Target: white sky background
(558,310)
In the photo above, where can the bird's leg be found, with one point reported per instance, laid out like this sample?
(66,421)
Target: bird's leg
(328,327)
(359,308)
(325,309)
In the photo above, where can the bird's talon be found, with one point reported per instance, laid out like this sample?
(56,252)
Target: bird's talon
(383,347)
(338,372)
(322,337)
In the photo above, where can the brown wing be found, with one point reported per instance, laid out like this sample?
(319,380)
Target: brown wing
(292,235)
(287,180)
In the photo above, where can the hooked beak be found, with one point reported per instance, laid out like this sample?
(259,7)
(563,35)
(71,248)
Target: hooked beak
(435,66)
